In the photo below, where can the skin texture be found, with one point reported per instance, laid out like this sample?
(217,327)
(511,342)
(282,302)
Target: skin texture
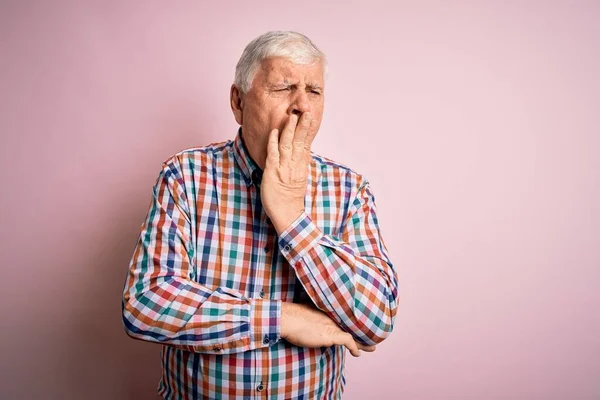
(280,116)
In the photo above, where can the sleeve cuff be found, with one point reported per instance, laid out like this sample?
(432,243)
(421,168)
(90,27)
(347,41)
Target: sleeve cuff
(301,236)
(265,322)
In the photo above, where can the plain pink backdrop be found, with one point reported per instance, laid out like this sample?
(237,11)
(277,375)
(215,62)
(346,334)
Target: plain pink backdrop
(476,123)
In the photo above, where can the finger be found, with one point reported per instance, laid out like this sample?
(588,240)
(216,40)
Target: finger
(273,148)
(298,143)
(363,347)
(287,135)
(311,134)
(348,341)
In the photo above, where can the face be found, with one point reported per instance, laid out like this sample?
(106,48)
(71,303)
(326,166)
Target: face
(279,89)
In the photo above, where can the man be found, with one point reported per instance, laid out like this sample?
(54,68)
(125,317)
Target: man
(259,261)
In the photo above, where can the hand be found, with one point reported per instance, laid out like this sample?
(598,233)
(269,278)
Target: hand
(285,177)
(306,326)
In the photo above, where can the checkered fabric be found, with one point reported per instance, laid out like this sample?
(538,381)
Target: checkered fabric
(209,273)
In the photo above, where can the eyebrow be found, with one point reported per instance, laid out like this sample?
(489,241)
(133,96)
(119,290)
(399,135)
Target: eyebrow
(287,84)
(284,84)
(314,86)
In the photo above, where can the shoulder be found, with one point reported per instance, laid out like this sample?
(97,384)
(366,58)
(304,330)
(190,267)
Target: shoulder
(198,156)
(333,170)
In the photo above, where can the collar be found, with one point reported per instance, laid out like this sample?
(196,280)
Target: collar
(250,170)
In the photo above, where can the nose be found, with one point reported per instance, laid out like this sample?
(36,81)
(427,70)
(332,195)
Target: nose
(300,103)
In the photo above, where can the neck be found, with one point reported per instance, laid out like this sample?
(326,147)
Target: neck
(256,149)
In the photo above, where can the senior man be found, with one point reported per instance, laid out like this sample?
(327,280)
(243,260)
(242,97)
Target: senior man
(259,262)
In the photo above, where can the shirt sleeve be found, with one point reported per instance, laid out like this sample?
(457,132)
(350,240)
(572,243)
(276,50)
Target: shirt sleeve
(163,303)
(351,278)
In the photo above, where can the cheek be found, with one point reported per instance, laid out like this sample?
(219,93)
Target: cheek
(257,115)
(316,127)
(319,118)
(278,116)
(273,108)
(317,107)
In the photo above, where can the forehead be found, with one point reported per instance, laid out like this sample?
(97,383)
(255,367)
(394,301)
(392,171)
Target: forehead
(279,69)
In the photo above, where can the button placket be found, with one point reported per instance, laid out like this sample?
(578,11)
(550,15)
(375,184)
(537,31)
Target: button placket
(260,240)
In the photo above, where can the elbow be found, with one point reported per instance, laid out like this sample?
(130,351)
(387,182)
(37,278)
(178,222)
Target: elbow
(378,327)
(378,335)
(131,330)
(383,321)
(132,326)
(128,321)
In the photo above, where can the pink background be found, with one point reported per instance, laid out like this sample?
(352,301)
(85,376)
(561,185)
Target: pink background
(477,124)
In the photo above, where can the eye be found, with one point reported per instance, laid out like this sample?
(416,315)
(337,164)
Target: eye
(315,92)
(282,89)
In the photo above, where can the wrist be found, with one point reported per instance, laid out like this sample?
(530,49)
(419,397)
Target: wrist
(285,314)
(282,220)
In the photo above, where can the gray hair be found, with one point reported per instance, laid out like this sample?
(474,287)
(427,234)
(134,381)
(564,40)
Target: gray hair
(289,44)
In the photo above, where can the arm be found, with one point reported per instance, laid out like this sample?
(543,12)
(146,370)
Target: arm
(162,302)
(351,278)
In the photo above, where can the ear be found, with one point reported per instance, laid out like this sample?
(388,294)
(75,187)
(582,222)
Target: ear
(237,103)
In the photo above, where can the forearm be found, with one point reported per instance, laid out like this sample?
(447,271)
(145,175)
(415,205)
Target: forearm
(356,290)
(181,313)
(163,303)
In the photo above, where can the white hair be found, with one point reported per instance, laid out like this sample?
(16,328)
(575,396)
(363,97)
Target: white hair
(289,44)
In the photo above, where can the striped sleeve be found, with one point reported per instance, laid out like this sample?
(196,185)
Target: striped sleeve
(161,300)
(350,278)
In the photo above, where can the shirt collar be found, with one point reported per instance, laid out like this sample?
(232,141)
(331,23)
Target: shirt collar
(250,170)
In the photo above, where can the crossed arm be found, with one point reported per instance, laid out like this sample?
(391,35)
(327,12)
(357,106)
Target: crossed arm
(350,280)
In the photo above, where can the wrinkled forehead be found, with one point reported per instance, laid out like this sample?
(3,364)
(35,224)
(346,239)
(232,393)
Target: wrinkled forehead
(284,70)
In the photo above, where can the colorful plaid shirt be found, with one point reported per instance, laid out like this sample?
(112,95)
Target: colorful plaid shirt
(209,273)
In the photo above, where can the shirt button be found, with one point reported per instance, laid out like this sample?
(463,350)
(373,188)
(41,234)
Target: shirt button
(266,340)
(287,247)
(217,348)
(260,387)
(262,293)
(267,249)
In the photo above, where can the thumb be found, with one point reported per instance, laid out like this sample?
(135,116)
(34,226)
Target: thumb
(347,340)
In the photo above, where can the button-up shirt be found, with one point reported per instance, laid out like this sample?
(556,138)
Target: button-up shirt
(209,273)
